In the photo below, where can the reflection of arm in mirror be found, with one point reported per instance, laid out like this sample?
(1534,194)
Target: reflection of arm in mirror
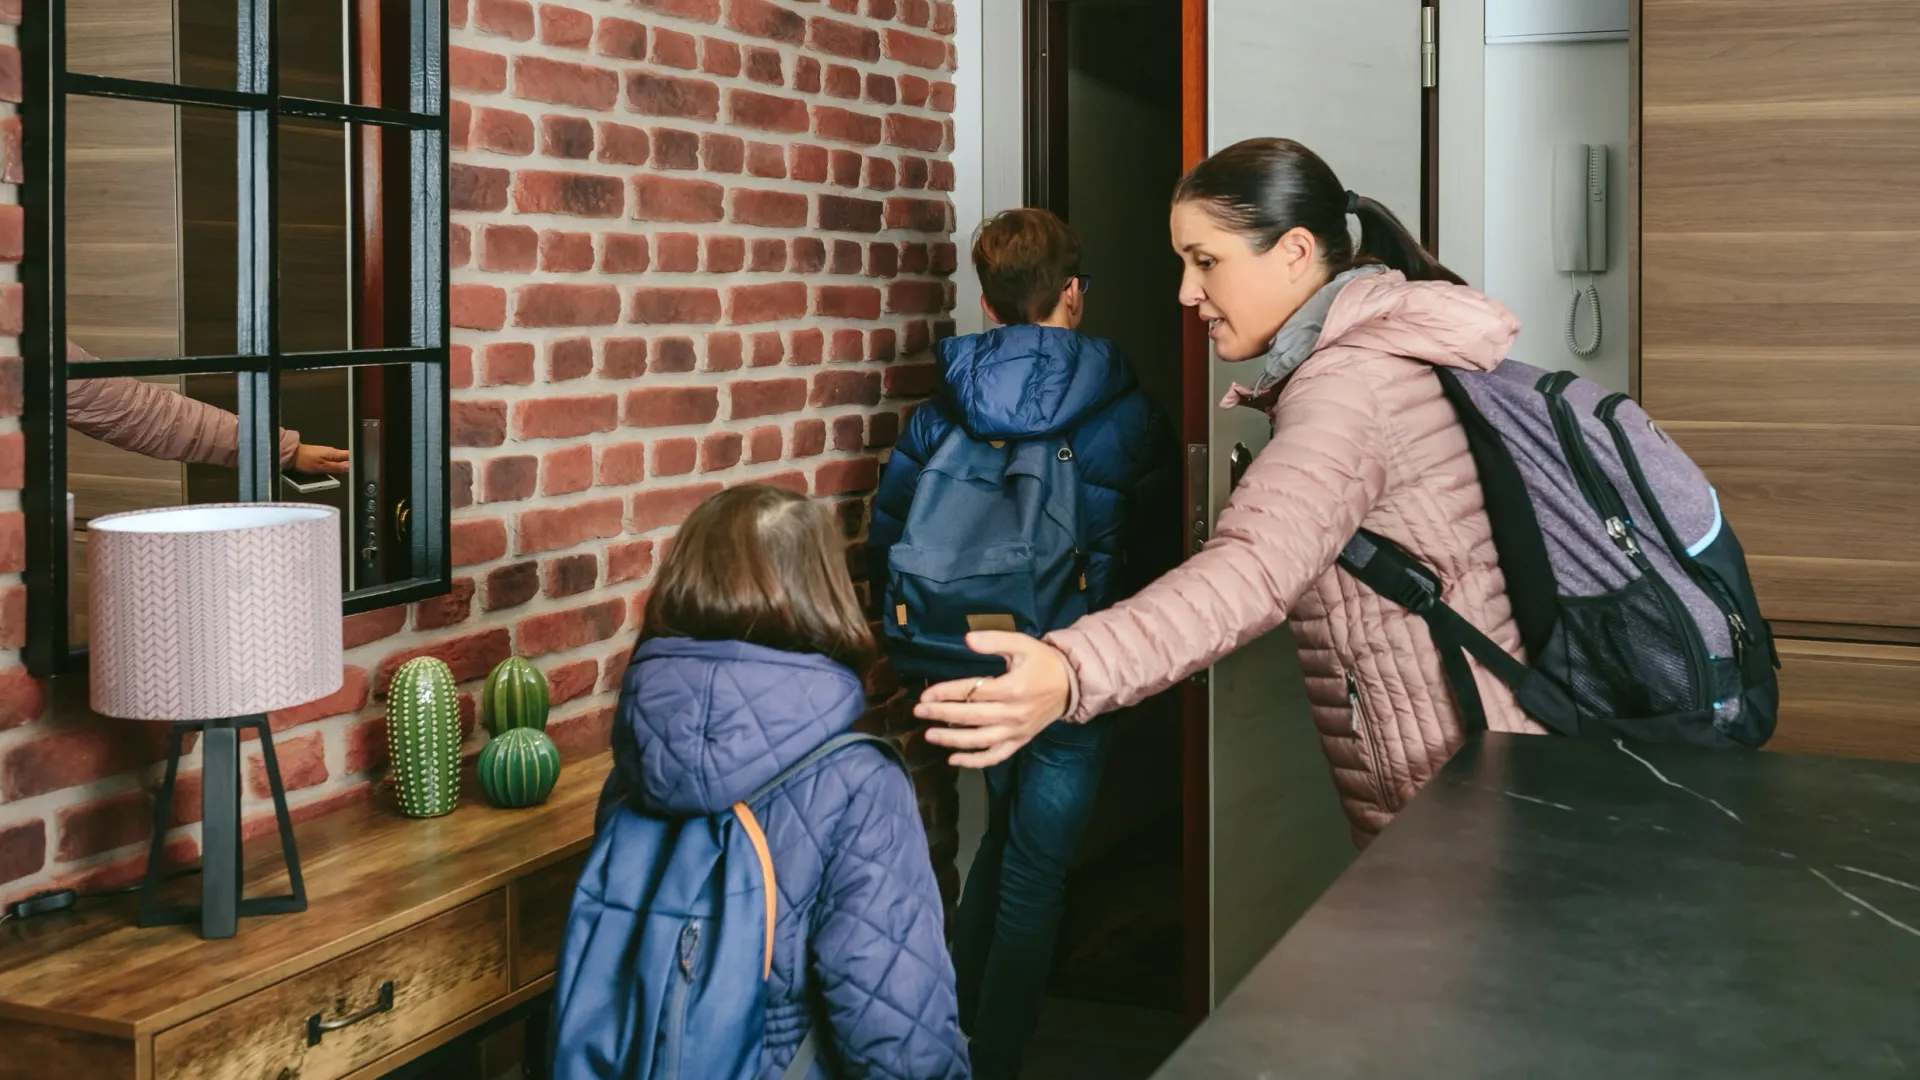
(150,419)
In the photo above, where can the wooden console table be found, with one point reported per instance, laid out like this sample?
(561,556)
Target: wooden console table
(416,933)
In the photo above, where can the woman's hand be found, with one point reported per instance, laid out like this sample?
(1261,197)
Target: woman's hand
(992,718)
(326,460)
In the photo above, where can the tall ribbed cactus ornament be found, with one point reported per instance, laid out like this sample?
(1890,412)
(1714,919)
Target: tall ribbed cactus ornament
(423,737)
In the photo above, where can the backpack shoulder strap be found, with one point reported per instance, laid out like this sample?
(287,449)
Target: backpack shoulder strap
(809,1049)
(1386,568)
(1517,539)
(743,813)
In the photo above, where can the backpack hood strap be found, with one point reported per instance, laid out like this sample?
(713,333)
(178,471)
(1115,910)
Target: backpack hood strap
(825,750)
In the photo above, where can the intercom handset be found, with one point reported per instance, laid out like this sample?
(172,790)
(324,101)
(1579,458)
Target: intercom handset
(1580,231)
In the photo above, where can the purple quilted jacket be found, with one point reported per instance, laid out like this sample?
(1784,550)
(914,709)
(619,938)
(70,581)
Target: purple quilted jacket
(859,946)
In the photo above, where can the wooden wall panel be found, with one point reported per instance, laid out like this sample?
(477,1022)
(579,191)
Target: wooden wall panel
(1849,700)
(1779,332)
(1701,52)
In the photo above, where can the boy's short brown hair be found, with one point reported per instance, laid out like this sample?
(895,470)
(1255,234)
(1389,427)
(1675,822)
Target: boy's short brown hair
(764,565)
(1024,258)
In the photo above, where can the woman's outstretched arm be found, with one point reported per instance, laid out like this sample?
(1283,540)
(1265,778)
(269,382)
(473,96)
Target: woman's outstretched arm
(1299,502)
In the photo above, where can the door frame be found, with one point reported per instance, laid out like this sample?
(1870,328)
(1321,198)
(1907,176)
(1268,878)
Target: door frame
(1044,34)
(1196,358)
(1196,851)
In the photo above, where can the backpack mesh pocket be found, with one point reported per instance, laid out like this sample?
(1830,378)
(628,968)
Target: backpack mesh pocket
(1625,655)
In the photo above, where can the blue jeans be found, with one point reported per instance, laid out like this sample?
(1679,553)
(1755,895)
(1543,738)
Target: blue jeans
(1039,803)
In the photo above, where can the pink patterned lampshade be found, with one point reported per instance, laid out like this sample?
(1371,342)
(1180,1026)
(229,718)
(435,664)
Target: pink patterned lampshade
(205,612)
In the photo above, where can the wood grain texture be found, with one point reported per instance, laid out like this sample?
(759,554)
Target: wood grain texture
(1871,385)
(1856,598)
(1704,52)
(1814,491)
(441,970)
(128,39)
(541,901)
(123,273)
(1635,240)
(39,1052)
(369,873)
(1849,700)
(1778,331)
(376,1070)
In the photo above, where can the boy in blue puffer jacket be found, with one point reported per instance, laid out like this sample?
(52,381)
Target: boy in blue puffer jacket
(1034,375)
(749,659)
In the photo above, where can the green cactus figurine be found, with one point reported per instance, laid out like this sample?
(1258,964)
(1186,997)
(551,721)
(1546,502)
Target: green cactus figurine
(515,696)
(518,768)
(423,737)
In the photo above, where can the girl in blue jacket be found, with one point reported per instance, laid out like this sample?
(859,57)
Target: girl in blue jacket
(750,657)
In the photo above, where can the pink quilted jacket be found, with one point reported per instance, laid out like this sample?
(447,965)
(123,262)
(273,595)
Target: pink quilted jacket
(150,419)
(1362,436)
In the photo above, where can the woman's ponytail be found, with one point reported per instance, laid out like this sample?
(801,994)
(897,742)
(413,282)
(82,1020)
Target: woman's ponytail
(1262,188)
(1383,239)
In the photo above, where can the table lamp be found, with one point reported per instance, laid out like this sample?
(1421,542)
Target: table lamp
(208,617)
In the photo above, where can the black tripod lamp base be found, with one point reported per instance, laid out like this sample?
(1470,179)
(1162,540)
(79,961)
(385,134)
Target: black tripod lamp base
(221,902)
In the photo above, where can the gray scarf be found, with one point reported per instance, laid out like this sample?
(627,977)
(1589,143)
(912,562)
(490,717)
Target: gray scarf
(1297,337)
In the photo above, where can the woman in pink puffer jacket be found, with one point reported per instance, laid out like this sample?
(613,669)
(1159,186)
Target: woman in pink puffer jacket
(1347,340)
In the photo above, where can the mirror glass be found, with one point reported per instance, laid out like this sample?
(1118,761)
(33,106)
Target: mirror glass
(153,267)
(193,42)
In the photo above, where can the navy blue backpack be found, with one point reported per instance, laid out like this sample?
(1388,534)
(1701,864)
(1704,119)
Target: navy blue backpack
(992,542)
(663,968)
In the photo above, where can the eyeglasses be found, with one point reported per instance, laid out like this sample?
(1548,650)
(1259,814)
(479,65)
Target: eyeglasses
(1086,283)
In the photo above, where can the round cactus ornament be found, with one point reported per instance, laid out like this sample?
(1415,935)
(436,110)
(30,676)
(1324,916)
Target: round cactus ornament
(518,768)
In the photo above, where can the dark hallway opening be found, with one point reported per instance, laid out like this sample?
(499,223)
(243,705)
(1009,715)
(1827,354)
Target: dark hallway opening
(1120,943)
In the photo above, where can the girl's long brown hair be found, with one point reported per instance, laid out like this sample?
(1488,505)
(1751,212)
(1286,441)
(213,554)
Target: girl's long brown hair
(764,565)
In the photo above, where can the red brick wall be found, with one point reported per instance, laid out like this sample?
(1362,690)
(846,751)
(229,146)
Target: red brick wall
(695,243)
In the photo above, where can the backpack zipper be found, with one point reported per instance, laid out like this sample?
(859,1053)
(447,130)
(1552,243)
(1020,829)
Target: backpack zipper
(677,1007)
(1606,502)
(1716,591)
(1566,428)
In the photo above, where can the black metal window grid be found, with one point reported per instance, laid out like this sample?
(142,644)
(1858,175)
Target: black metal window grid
(258,361)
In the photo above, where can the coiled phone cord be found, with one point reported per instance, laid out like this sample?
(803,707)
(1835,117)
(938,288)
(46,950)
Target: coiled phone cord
(1592,295)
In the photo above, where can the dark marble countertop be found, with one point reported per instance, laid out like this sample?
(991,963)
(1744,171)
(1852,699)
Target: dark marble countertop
(1566,909)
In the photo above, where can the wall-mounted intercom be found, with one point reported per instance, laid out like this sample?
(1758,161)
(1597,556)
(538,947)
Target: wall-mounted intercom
(1580,231)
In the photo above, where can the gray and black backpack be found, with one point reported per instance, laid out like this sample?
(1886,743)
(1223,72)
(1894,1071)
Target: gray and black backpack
(1630,591)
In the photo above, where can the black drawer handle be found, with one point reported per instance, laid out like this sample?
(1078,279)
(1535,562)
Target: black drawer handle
(317,1027)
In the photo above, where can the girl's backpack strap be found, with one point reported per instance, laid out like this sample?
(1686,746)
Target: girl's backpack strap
(809,1048)
(824,750)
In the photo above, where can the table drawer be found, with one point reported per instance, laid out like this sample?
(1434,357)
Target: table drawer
(438,971)
(540,907)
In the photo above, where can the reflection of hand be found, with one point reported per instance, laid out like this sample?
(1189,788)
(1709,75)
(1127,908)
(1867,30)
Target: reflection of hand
(320,459)
(992,718)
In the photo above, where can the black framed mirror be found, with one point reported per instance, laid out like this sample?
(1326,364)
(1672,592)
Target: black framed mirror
(235,280)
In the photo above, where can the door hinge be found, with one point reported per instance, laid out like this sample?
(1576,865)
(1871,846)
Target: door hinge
(1429,49)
